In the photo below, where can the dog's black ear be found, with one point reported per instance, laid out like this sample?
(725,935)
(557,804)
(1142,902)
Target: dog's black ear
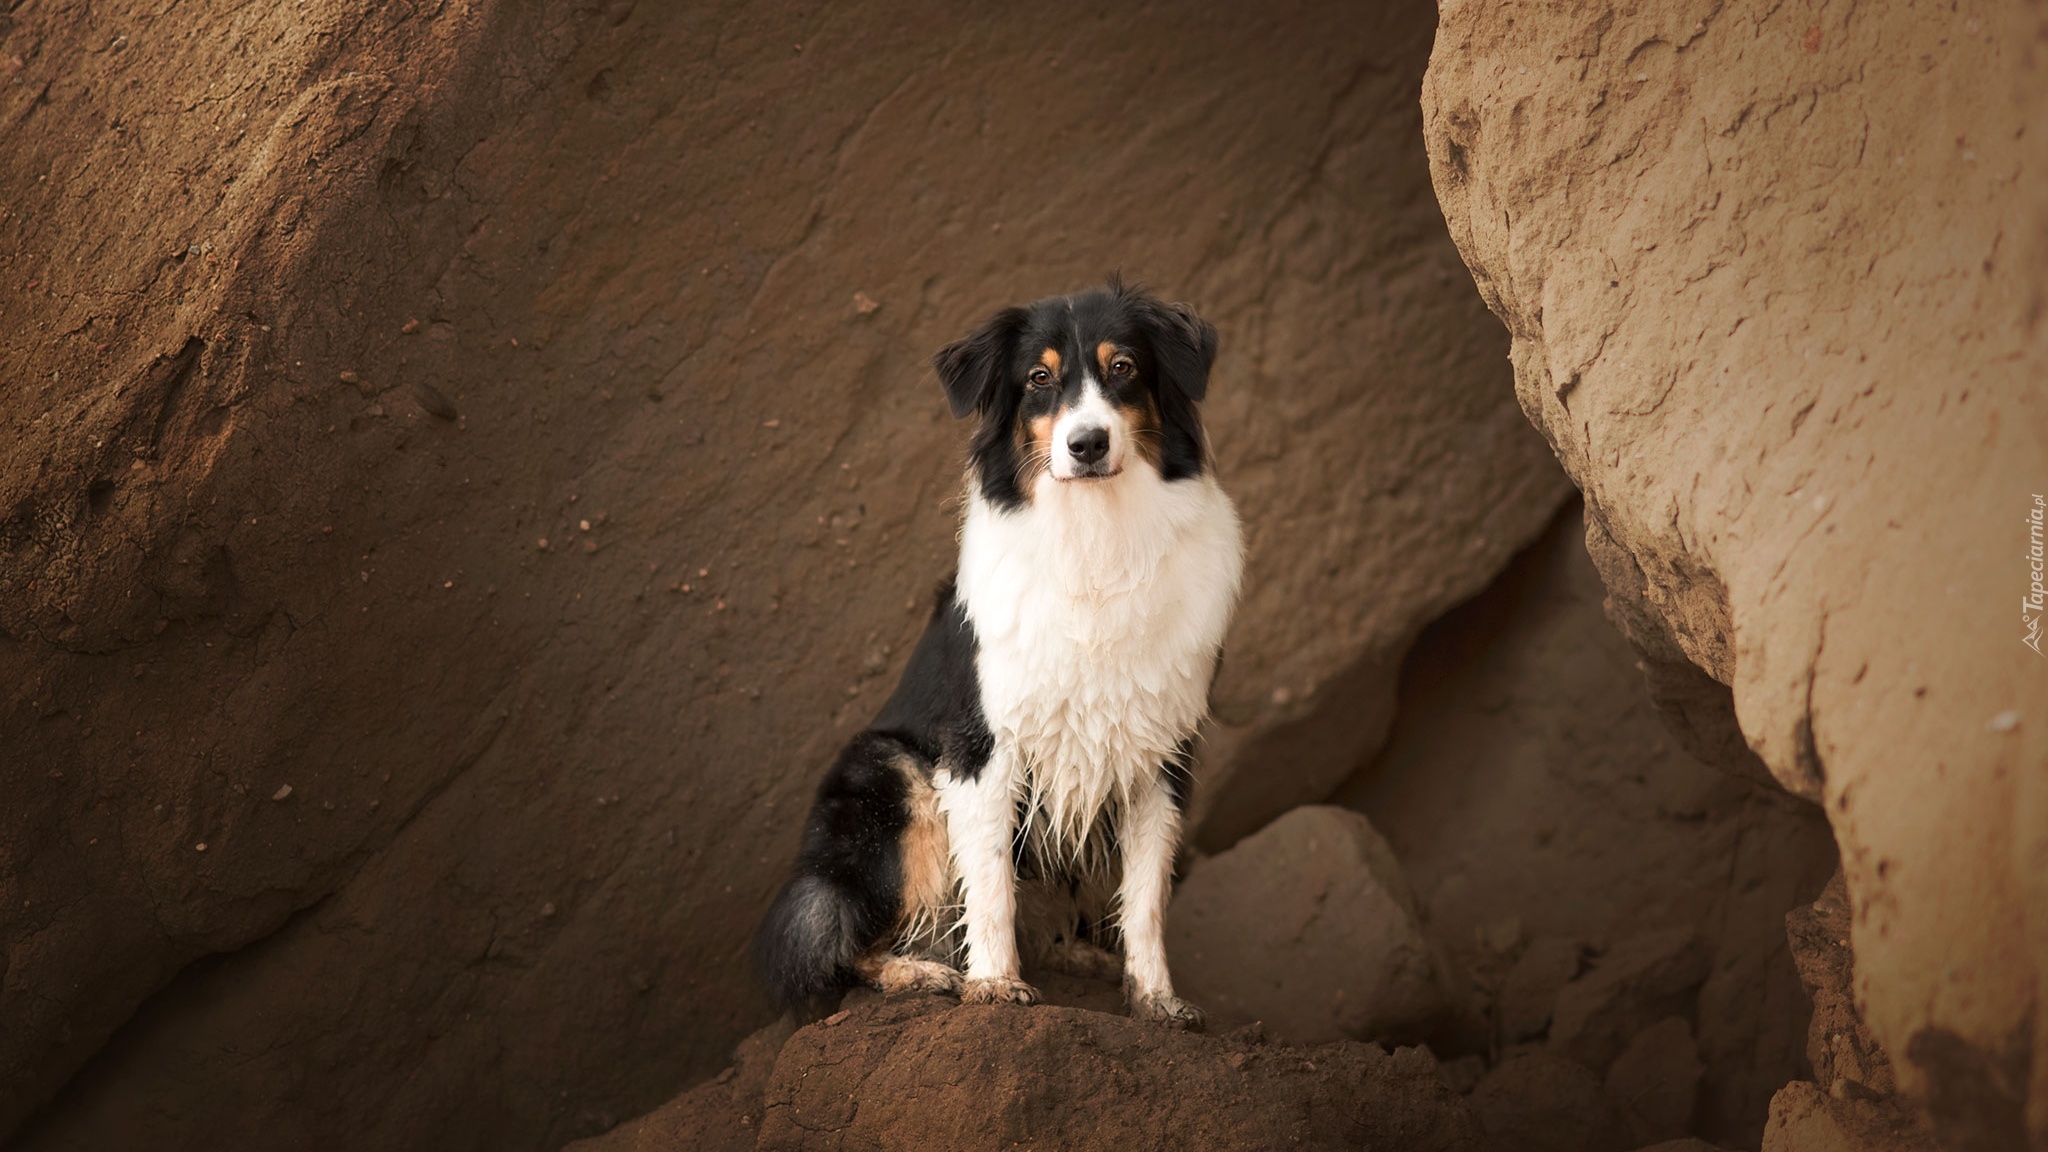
(971,368)
(1183,344)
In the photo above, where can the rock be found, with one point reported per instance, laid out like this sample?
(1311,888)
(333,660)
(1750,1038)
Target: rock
(1765,505)
(926,1073)
(1637,982)
(1308,926)
(1658,1076)
(1539,1102)
(1463,1073)
(1530,993)
(1838,1044)
(1806,1119)
(432,401)
(378,196)
(722,1114)
(1529,778)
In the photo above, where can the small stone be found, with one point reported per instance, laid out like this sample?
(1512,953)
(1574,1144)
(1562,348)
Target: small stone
(837,1017)
(199,847)
(410,327)
(284,791)
(350,378)
(431,399)
(547,909)
(863,304)
(2005,721)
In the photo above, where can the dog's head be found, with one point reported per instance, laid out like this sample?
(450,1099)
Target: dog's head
(1077,389)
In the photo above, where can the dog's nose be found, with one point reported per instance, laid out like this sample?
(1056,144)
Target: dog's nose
(1088,445)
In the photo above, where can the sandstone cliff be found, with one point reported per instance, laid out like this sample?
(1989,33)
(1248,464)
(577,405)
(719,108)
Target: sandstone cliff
(1776,284)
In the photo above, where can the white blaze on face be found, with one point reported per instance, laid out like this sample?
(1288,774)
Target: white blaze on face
(1093,415)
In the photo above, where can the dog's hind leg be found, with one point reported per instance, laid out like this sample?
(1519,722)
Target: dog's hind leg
(884,970)
(1059,927)
(927,904)
(1077,957)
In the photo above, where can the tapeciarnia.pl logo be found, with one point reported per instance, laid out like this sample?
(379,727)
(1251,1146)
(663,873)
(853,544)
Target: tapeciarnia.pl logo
(2037,596)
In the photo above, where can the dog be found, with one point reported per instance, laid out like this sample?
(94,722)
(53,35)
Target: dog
(1030,771)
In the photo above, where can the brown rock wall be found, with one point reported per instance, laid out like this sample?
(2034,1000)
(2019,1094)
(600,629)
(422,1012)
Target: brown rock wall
(318,321)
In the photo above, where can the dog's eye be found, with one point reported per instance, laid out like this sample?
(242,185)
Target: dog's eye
(1121,367)
(1040,377)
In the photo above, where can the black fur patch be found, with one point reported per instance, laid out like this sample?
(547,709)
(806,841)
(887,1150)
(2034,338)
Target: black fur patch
(936,707)
(846,894)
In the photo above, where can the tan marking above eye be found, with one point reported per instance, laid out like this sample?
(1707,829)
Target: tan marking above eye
(1051,359)
(1113,361)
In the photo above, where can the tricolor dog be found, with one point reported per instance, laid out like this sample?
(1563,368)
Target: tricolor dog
(1028,775)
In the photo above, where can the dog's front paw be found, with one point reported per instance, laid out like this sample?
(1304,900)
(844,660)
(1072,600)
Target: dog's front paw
(997,990)
(1171,1011)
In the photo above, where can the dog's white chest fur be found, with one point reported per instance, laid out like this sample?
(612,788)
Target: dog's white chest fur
(1099,608)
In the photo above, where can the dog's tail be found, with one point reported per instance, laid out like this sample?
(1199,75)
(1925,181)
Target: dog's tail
(809,941)
(847,890)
